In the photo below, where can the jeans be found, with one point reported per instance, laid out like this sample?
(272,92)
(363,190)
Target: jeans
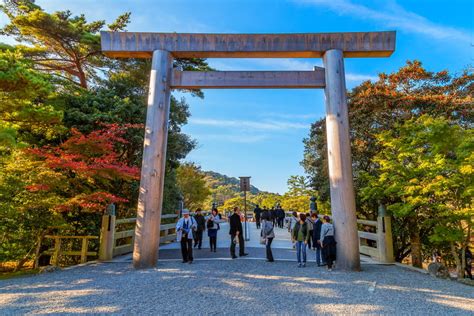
(301,248)
(319,260)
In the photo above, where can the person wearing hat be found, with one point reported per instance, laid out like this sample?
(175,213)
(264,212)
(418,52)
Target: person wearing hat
(185,229)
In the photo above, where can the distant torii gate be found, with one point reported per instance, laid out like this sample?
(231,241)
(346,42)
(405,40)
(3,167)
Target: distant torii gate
(163,47)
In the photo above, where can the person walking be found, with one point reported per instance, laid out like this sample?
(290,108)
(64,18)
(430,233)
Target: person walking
(185,228)
(291,224)
(213,227)
(273,215)
(201,227)
(281,217)
(310,222)
(266,211)
(236,232)
(267,234)
(328,243)
(300,235)
(316,238)
(257,213)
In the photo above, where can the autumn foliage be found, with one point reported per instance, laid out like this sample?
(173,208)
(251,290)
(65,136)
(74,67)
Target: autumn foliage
(84,161)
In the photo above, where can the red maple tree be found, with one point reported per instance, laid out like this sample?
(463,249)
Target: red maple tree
(91,164)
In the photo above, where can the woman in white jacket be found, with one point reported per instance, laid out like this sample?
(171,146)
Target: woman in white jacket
(184,230)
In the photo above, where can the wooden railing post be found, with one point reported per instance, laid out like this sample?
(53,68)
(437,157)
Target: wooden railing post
(107,241)
(85,245)
(57,252)
(384,236)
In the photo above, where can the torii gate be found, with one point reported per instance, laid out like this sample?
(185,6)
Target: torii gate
(163,47)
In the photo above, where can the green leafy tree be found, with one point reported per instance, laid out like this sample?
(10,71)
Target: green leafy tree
(28,112)
(59,43)
(378,106)
(239,202)
(25,216)
(297,198)
(425,176)
(193,186)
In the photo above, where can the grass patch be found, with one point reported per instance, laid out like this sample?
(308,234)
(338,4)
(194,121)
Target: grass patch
(17,274)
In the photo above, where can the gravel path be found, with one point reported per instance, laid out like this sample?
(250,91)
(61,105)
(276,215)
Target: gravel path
(233,287)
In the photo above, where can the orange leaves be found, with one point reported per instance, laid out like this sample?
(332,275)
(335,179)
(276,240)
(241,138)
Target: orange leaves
(93,202)
(91,164)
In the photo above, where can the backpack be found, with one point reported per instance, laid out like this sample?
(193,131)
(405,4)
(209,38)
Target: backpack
(210,224)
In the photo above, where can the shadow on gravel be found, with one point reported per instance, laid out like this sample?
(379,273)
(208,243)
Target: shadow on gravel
(233,287)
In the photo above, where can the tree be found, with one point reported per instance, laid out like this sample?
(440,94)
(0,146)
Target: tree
(28,111)
(297,198)
(89,167)
(239,202)
(24,216)
(193,186)
(59,43)
(425,175)
(378,106)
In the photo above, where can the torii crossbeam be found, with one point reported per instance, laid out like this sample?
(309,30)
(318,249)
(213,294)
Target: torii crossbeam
(163,47)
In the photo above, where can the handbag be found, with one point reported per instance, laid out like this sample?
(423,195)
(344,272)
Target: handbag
(263,240)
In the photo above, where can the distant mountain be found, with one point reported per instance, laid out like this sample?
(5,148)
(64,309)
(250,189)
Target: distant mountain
(215,180)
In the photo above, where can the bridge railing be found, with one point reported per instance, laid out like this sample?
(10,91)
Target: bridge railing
(58,252)
(117,235)
(375,239)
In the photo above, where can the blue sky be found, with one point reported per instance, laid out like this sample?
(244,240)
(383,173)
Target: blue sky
(259,133)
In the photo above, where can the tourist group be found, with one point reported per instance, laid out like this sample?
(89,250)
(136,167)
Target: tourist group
(306,231)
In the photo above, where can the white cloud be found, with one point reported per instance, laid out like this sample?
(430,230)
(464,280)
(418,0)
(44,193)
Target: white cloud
(268,125)
(395,16)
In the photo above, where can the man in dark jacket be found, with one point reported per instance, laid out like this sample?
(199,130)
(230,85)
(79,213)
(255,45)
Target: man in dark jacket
(316,236)
(273,216)
(236,231)
(201,227)
(281,217)
(258,212)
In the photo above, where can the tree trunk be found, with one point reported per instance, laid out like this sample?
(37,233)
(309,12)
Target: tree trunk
(38,248)
(459,267)
(415,244)
(82,79)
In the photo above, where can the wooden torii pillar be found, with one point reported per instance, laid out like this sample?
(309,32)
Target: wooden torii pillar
(163,47)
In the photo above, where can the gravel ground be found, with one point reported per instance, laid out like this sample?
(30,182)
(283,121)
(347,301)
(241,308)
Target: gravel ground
(233,287)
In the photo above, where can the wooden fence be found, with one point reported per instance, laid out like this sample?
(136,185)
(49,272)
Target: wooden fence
(378,245)
(56,253)
(117,235)
(117,238)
